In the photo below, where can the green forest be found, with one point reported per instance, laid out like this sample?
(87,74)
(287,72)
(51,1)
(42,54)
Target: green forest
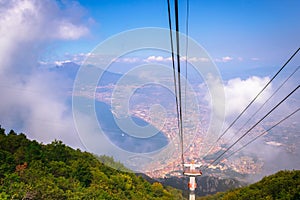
(31,170)
(282,185)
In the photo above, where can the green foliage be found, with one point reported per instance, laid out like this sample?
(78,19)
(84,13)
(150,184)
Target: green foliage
(109,161)
(282,185)
(29,170)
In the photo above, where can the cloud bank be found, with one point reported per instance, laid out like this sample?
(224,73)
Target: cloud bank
(32,99)
(240,92)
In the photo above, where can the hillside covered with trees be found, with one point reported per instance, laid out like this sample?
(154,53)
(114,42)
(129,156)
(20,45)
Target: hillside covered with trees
(282,185)
(30,170)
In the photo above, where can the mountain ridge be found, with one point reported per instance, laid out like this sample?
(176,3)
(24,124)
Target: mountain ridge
(31,170)
(281,185)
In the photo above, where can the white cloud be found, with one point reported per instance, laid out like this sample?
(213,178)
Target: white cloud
(128,60)
(33,100)
(240,92)
(149,59)
(169,59)
(35,22)
(200,59)
(60,63)
(67,30)
(156,59)
(227,59)
(224,59)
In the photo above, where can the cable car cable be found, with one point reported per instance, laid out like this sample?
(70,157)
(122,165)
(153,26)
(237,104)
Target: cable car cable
(252,127)
(251,102)
(250,118)
(186,50)
(173,66)
(178,75)
(263,133)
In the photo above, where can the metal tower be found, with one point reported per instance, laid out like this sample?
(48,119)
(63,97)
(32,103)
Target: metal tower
(192,170)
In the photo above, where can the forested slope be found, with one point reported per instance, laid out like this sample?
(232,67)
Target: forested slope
(282,185)
(30,170)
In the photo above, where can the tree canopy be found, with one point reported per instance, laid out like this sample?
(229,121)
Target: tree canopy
(31,170)
(282,185)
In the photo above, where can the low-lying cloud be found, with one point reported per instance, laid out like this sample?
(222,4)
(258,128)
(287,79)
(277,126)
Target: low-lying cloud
(240,92)
(33,100)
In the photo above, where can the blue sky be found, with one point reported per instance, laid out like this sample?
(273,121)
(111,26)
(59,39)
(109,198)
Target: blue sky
(267,32)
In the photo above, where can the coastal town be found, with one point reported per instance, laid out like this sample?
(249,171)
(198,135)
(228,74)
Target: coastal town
(196,139)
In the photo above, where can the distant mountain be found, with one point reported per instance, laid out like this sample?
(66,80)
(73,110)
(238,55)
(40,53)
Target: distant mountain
(282,185)
(30,170)
(70,69)
(205,185)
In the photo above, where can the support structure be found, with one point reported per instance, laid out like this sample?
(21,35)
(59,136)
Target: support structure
(192,171)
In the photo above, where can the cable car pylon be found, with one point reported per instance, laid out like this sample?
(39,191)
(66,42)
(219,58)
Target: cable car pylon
(192,170)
